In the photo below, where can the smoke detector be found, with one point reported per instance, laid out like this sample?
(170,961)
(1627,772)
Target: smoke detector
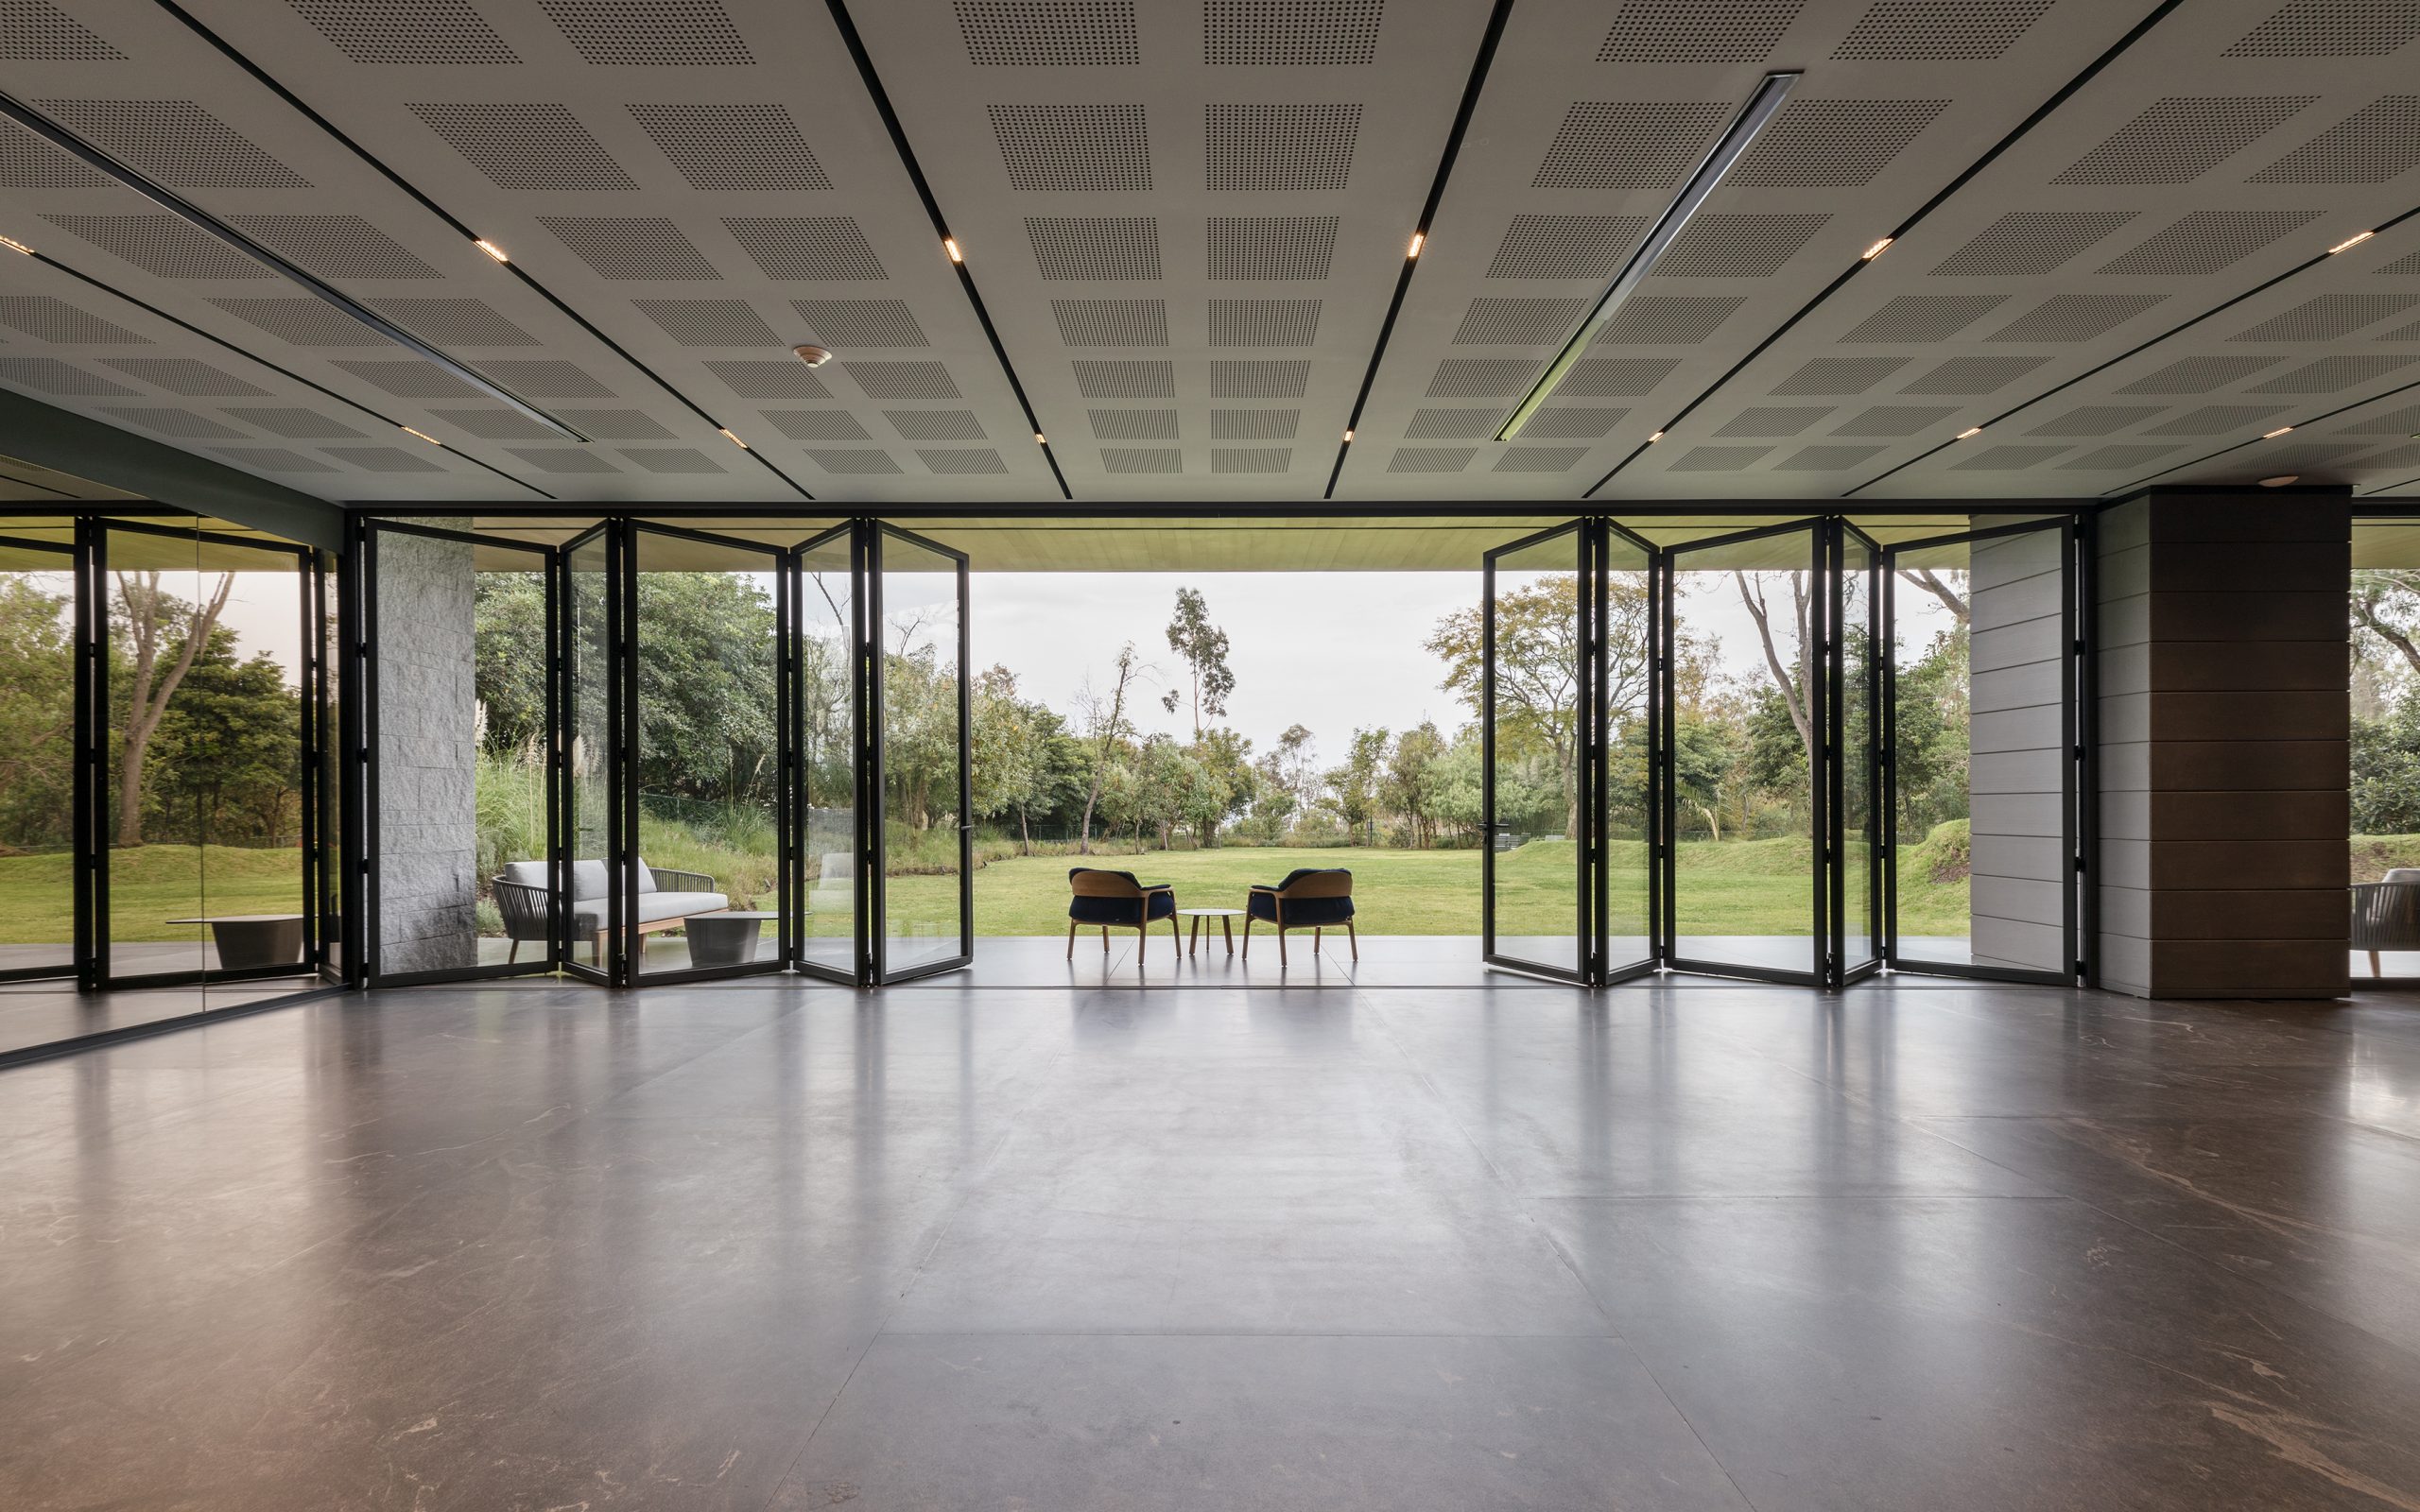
(812,356)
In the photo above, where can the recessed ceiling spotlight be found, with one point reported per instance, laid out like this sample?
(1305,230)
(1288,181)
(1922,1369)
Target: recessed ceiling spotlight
(2354,240)
(423,435)
(1039,439)
(2270,436)
(1419,240)
(1348,433)
(1876,249)
(15,246)
(812,356)
(949,245)
(492,250)
(1657,437)
(732,439)
(2279,481)
(1971,430)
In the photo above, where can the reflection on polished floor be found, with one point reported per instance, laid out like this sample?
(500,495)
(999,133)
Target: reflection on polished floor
(47,1012)
(767,1245)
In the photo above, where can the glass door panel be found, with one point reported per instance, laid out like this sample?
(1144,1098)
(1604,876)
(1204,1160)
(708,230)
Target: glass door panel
(1856,704)
(38,937)
(925,903)
(706,756)
(589,893)
(1535,716)
(1981,786)
(1629,697)
(831,903)
(462,741)
(151,832)
(237,741)
(1747,695)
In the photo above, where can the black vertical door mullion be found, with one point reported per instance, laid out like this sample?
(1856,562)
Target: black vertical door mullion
(1821,637)
(1487,826)
(1597,949)
(560,715)
(2079,802)
(875,753)
(622,775)
(92,846)
(1886,817)
(965,764)
(1663,696)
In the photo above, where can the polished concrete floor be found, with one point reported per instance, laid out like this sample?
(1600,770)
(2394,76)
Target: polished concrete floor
(1922,1246)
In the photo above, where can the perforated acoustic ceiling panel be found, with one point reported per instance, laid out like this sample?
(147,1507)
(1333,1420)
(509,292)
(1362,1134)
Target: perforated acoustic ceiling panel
(1593,114)
(166,102)
(2152,197)
(1186,219)
(670,170)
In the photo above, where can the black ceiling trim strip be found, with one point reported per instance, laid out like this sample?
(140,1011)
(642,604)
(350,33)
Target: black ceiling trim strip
(294,273)
(2014,410)
(1471,89)
(2296,425)
(881,98)
(255,358)
(293,101)
(2041,113)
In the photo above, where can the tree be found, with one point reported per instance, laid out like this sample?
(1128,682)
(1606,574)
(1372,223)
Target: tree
(1409,786)
(1203,649)
(163,634)
(1932,583)
(1537,667)
(1008,754)
(1223,782)
(1791,683)
(228,751)
(2386,615)
(37,714)
(1106,723)
(1352,788)
(508,656)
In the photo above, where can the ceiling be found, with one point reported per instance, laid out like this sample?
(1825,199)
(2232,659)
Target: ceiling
(1185,228)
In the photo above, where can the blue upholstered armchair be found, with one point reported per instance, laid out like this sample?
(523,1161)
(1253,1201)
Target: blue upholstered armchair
(1114,900)
(1312,897)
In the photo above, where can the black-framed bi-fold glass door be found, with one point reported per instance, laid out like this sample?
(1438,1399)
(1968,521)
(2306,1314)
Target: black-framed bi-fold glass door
(1748,865)
(1567,721)
(208,762)
(1982,766)
(831,884)
(460,754)
(41,788)
(919,793)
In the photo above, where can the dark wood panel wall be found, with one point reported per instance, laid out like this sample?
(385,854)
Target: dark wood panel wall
(2224,724)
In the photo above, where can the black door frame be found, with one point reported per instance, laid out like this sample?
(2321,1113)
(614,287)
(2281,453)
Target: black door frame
(1838,972)
(80,931)
(2075,772)
(622,775)
(1821,545)
(871,811)
(364,859)
(853,536)
(1588,857)
(96,975)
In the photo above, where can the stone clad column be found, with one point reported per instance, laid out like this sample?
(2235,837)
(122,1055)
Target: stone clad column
(2224,727)
(428,709)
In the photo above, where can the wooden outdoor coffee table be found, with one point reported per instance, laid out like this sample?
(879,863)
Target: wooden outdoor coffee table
(1226,918)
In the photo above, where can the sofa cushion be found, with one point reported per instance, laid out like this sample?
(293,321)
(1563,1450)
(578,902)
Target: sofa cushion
(589,916)
(646,878)
(527,873)
(588,879)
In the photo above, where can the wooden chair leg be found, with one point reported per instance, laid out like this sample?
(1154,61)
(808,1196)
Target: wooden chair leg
(1228,925)
(1071,939)
(1177,936)
(1353,937)
(1104,939)
(2374,964)
(1247,937)
(1142,940)
(1281,947)
(513,955)
(1315,939)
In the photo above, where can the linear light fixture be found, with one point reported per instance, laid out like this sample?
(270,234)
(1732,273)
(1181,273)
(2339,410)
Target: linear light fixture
(219,231)
(2351,242)
(1752,118)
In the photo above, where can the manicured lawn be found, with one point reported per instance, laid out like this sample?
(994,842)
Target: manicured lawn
(148,883)
(1752,887)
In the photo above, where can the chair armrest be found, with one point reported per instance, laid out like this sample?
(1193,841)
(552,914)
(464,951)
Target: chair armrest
(1158,886)
(1262,886)
(691,881)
